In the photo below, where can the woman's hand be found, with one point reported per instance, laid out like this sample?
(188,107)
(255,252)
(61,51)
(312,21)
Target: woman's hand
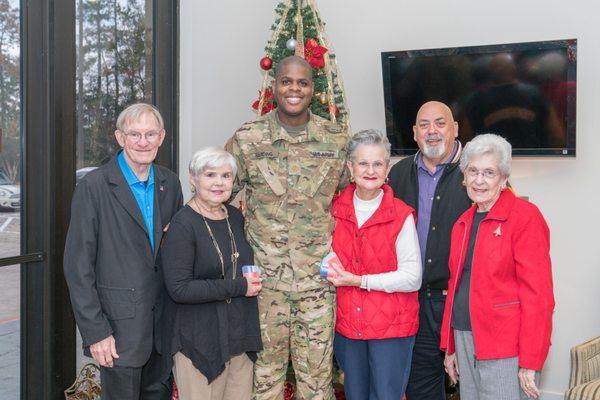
(254,286)
(527,382)
(341,277)
(451,367)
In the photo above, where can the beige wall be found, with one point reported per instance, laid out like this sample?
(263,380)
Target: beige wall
(222,42)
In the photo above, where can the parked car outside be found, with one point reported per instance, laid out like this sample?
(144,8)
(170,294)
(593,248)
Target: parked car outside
(80,173)
(10,194)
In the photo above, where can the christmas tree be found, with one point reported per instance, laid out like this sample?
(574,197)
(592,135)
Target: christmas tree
(299,30)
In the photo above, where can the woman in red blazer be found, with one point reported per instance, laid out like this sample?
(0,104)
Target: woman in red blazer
(498,317)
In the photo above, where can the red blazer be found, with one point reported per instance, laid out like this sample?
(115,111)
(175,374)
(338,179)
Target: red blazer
(511,300)
(371,249)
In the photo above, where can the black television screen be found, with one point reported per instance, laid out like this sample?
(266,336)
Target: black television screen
(524,92)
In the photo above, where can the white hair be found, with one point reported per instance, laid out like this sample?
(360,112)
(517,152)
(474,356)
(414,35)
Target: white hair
(135,112)
(488,143)
(211,157)
(369,136)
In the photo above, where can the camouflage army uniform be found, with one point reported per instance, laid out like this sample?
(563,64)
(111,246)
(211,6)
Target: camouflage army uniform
(290,182)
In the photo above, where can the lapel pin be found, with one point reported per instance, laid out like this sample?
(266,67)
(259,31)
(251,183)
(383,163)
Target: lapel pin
(161,188)
(498,230)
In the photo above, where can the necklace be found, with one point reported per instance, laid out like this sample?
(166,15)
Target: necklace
(234,252)
(206,209)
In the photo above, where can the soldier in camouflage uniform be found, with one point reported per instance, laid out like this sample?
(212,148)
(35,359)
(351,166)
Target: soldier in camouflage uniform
(291,163)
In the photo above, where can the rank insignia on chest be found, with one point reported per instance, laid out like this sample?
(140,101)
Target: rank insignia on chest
(333,127)
(323,154)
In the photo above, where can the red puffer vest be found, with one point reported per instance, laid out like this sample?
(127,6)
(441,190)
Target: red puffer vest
(371,249)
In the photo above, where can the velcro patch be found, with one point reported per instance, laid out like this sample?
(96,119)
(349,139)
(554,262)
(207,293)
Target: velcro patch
(333,127)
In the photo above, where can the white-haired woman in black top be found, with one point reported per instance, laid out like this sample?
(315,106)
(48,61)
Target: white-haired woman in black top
(211,315)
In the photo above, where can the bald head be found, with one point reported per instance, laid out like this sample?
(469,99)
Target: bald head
(436,107)
(292,60)
(435,132)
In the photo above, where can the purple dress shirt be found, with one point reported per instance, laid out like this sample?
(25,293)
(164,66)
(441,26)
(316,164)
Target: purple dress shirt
(427,184)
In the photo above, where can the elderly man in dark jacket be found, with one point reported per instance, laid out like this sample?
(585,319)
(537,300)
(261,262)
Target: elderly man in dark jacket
(431,183)
(118,216)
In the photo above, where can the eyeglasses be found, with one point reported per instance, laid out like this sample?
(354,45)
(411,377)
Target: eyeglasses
(377,165)
(151,136)
(488,173)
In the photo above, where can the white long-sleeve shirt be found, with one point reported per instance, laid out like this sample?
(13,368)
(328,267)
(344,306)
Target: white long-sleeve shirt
(407,276)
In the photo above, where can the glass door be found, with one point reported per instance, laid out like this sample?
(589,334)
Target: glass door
(10,200)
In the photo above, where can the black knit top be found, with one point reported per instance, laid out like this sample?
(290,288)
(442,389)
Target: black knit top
(199,321)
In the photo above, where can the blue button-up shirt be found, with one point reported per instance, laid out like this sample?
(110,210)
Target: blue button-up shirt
(143,193)
(427,184)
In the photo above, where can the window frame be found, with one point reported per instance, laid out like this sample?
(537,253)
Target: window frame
(48,157)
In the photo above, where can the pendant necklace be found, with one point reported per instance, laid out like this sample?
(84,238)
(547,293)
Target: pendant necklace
(234,253)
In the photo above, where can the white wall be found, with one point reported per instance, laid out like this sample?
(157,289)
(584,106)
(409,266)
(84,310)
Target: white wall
(222,42)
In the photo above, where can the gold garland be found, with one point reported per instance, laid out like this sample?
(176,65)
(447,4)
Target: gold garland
(299,31)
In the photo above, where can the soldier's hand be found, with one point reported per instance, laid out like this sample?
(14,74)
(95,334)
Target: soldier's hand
(104,351)
(254,286)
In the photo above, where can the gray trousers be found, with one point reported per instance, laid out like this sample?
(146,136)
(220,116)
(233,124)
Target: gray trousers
(486,379)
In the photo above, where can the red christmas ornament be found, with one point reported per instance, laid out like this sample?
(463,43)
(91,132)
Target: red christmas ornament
(313,53)
(266,63)
(333,109)
(268,103)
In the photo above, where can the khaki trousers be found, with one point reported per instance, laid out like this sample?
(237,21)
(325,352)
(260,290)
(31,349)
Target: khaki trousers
(234,383)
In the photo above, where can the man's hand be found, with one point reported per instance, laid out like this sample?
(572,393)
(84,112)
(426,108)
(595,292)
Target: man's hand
(527,382)
(104,351)
(451,367)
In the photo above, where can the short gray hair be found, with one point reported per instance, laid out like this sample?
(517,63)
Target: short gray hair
(211,157)
(369,136)
(135,112)
(488,143)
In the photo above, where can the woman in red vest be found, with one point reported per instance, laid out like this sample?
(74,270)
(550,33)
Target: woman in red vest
(498,317)
(380,273)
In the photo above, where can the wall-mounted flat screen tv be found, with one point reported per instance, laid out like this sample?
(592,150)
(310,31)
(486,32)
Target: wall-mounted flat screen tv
(524,92)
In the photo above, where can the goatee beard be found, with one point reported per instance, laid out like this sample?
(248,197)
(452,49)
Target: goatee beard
(434,152)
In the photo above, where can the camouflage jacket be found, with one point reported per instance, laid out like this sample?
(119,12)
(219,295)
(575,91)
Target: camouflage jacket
(290,182)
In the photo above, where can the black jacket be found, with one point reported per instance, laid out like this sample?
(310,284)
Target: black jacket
(115,285)
(449,202)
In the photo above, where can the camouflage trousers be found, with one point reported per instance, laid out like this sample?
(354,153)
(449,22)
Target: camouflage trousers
(300,325)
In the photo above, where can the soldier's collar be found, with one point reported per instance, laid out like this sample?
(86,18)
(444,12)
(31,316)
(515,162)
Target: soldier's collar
(279,133)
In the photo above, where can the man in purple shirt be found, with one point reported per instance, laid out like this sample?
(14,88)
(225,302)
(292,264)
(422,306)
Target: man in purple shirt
(431,183)
(428,180)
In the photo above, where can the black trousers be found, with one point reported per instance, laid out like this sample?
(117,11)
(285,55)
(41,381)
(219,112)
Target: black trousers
(136,383)
(426,380)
